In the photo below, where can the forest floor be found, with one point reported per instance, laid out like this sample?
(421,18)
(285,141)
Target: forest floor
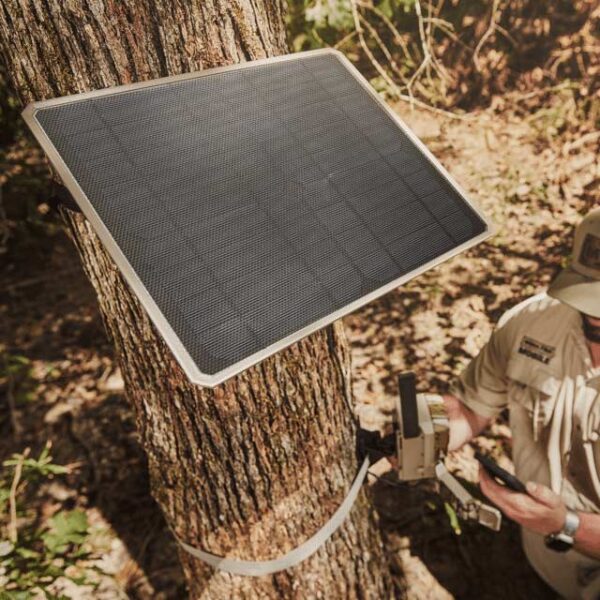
(532,169)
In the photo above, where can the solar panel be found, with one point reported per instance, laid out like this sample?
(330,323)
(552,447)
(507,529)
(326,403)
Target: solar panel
(248,206)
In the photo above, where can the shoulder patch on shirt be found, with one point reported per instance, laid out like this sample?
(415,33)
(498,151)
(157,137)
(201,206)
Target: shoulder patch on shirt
(536,350)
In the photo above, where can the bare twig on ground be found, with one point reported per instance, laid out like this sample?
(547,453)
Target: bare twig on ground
(426,56)
(367,50)
(446,27)
(397,36)
(344,40)
(12,407)
(383,48)
(507,35)
(517,97)
(425,34)
(396,91)
(12,499)
(438,111)
(488,33)
(592,136)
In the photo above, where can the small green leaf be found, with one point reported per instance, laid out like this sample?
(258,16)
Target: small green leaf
(15,595)
(66,528)
(27,554)
(36,467)
(55,469)
(4,496)
(453,518)
(386,8)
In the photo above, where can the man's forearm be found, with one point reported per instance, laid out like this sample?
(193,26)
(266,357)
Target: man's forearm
(587,538)
(464,423)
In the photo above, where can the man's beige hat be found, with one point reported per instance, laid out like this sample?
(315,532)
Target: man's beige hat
(579,284)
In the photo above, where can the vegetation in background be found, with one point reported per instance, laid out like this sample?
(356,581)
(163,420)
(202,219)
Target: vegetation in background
(34,553)
(454,54)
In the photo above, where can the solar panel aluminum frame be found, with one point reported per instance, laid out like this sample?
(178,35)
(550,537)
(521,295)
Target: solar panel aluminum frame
(189,366)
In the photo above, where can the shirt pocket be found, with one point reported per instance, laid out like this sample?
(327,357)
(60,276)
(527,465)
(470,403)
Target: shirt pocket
(534,388)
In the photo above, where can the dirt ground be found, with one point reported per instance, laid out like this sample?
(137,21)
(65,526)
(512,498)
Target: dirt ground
(532,174)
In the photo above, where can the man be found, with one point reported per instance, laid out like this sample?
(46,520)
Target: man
(543,363)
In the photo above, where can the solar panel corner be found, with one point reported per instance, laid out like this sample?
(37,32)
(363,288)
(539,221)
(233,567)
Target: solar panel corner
(28,112)
(303,188)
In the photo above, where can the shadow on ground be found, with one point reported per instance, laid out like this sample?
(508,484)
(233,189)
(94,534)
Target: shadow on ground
(472,565)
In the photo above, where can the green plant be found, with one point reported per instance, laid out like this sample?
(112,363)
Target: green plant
(452,518)
(329,13)
(39,557)
(16,376)
(66,529)
(34,468)
(32,555)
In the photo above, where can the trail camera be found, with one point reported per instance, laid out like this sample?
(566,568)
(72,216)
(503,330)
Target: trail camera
(420,443)
(423,434)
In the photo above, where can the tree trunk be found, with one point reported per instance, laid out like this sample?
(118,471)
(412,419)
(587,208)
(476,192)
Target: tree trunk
(254,467)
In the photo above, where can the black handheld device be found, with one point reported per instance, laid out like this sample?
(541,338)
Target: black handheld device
(498,473)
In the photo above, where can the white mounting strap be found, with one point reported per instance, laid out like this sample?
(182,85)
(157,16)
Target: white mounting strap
(291,559)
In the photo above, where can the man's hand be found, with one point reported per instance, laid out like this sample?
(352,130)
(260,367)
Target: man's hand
(540,510)
(464,423)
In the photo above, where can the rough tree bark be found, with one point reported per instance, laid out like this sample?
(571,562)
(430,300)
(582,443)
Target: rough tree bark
(257,465)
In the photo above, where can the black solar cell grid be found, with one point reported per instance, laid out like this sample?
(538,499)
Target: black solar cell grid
(255,204)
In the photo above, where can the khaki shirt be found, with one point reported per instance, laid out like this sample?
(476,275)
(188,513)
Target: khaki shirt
(538,365)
